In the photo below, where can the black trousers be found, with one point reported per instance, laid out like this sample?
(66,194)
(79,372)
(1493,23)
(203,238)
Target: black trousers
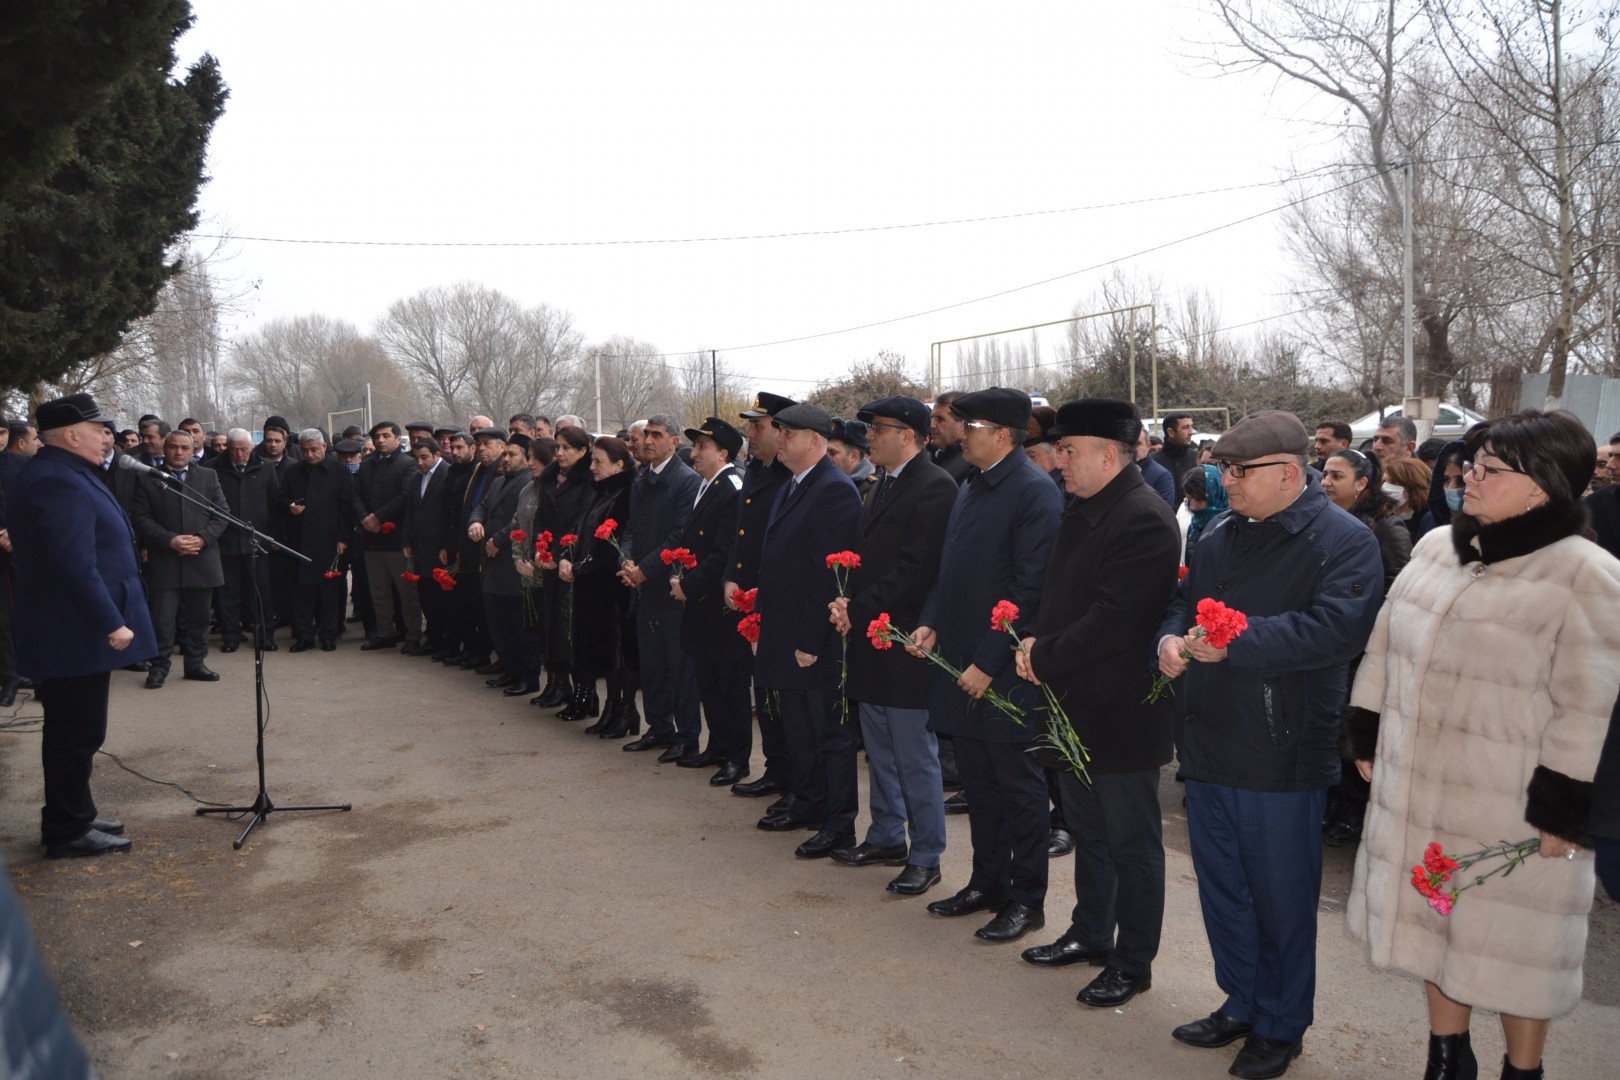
(824,757)
(280,602)
(8,645)
(318,609)
(723,689)
(246,599)
(519,648)
(75,727)
(435,605)
(1118,865)
(467,613)
(1010,819)
(188,610)
(772,739)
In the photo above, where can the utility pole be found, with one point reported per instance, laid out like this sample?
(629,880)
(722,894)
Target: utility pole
(714,376)
(598,357)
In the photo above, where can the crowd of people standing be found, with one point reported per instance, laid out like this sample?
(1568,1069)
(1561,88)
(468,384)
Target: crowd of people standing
(971,590)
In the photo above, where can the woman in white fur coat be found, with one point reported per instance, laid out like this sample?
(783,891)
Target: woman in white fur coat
(1487,689)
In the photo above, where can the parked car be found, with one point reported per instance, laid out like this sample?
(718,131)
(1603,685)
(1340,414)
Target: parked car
(1453,423)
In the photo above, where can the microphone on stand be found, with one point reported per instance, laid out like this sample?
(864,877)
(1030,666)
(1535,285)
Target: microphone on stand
(127,461)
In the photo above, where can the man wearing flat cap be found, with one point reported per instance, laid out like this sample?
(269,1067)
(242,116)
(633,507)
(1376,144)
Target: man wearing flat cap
(720,657)
(79,591)
(900,539)
(798,655)
(763,479)
(1111,575)
(848,449)
(996,546)
(1258,724)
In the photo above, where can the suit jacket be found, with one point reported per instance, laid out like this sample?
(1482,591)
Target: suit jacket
(708,627)
(809,522)
(466,492)
(331,513)
(496,510)
(253,496)
(660,507)
(427,517)
(761,484)
(78,573)
(160,514)
(996,547)
(1111,576)
(900,543)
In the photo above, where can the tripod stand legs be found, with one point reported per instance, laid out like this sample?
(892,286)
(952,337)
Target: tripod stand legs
(262,808)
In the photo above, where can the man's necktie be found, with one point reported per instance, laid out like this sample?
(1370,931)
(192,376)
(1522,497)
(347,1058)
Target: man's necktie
(883,489)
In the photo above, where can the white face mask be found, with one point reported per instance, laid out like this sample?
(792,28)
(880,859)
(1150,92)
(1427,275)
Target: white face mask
(1395,492)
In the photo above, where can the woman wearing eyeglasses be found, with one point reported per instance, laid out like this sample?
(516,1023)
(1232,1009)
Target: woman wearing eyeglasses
(1487,689)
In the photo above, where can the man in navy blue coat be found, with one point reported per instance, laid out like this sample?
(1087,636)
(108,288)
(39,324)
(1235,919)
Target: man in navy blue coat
(660,506)
(1257,727)
(996,548)
(79,591)
(799,656)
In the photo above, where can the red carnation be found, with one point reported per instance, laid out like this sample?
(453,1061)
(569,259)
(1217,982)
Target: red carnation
(1221,624)
(1003,615)
(880,632)
(517,536)
(847,559)
(569,540)
(749,628)
(1182,574)
(411,576)
(604,531)
(389,526)
(745,599)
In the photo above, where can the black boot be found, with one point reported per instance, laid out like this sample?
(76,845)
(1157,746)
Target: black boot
(1451,1058)
(628,721)
(558,690)
(584,704)
(1510,1073)
(612,706)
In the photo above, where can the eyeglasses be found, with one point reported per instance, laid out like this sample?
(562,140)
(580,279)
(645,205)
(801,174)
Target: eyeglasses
(1238,472)
(891,427)
(980,424)
(1479,470)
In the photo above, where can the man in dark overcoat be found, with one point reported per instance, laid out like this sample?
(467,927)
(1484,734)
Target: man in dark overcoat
(183,565)
(519,672)
(79,592)
(466,559)
(253,490)
(900,539)
(381,481)
(427,540)
(763,478)
(324,511)
(660,506)
(996,547)
(720,657)
(1111,574)
(799,653)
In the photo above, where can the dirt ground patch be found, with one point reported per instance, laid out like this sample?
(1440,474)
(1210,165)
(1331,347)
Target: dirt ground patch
(509,898)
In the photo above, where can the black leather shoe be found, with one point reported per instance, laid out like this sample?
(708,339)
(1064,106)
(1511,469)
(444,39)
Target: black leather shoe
(557,692)
(787,822)
(648,741)
(914,880)
(1216,1029)
(754,789)
(139,666)
(1113,987)
(1262,1058)
(379,643)
(454,659)
(475,663)
(823,844)
(1512,1072)
(1451,1057)
(965,902)
(91,843)
(328,645)
(522,687)
(1060,843)
(694,760)
(729,774)
(494,667)
(957,804)
(8,693)
(674,754)
(155,678)
(869,855)
(1012,922)
(111,828)
(781,805)
(301,645)
(501,680)
(230,646)
(441,656)
(417,650)
(269,646)
(1063,952)
(202,674)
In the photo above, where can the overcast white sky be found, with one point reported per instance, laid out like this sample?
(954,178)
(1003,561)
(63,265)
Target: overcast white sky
(622,120)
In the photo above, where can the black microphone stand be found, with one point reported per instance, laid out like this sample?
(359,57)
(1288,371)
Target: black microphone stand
(258,544)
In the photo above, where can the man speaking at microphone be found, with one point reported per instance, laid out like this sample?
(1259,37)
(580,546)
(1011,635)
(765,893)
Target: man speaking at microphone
(78,590)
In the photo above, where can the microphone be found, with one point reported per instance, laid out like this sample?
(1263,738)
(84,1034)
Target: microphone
(128,461)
